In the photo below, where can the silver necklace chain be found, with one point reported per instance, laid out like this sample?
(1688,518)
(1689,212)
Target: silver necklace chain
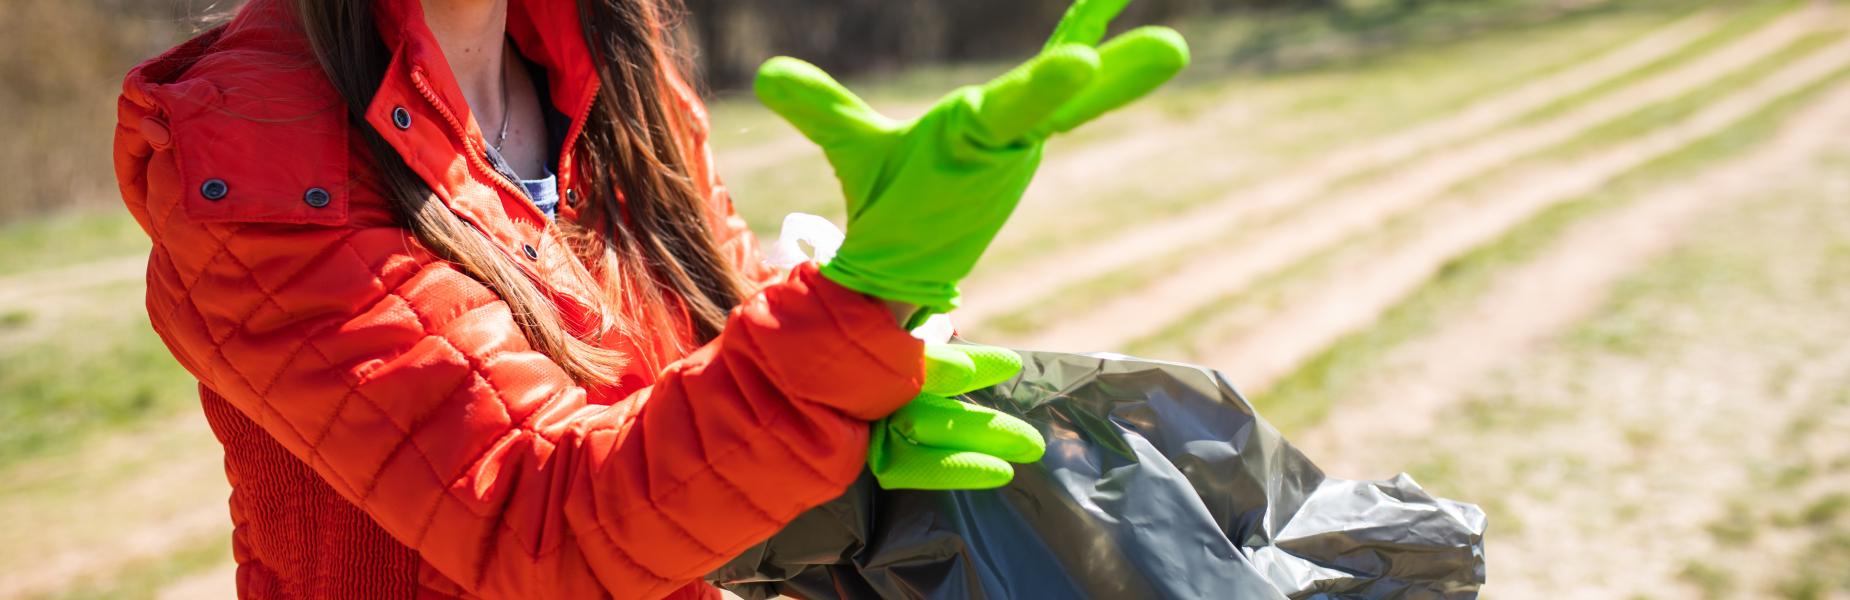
(505,106)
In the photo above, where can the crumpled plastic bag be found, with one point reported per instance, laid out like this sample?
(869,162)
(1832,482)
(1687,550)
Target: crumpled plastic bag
(1159,482)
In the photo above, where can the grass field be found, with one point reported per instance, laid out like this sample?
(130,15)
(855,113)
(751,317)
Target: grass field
(1583,263)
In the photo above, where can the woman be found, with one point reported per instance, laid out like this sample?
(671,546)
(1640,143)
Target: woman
(473,317)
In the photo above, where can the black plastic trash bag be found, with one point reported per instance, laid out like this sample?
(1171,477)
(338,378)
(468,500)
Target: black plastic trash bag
(1159,482)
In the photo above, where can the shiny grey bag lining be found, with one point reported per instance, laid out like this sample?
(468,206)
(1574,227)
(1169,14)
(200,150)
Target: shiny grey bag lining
(1159,482)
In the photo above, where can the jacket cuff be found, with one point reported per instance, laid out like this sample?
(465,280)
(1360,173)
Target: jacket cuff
(827,344)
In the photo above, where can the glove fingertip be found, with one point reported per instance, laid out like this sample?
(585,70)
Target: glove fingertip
(775,74)
(948,370)
(1027,455)
(1028,446)
(1065,67)
(992,365)
(928,469)
(1162,48)
(972,470)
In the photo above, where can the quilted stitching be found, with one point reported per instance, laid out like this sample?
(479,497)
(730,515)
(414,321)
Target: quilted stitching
(412,395)
(307,352)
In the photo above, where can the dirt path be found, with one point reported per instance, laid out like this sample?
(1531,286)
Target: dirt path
(1687,442)
(1000,293)
(1360,293)
(1418,383)
(35,286)
(1071,172)
(122,500)
(220,582)
(1229,267)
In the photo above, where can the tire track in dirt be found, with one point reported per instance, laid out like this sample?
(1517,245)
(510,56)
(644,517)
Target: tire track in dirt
(1228,267)
(1077,172)
(1531,302)
(1003,292)
(1611,470)
(1358,294)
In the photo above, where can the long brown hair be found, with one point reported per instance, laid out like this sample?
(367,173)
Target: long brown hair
(642,223)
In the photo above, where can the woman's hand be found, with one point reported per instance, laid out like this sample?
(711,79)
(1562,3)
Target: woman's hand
(938,443)
(925,197)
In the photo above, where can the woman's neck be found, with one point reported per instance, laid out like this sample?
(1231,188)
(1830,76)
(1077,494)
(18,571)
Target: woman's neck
(473,35)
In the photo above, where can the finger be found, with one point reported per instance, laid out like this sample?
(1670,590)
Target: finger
(1130,66)
(945,423)
(1085,22)
(819,107)
(948,371)
(952,369)
(994,364)
(1021,100)
(914,467)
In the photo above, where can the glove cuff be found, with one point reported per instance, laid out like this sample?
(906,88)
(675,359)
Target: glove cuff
(931,298)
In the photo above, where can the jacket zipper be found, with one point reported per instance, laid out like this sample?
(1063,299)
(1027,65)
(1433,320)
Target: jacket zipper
(474,153)
(573,132)
(476,161)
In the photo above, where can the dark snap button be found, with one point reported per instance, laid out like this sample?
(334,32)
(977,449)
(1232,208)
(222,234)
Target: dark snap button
(401,118)
(317,197)
(531,252)
(571,196)
(214,189)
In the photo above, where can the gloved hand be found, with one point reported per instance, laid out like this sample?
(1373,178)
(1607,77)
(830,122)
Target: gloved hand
(939,443)
(925,197)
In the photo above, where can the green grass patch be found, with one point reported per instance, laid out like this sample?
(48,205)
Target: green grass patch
(84,376)
(1824,571)
(1734,26)
(14,319)
(1361,32)
(1822,512)
(1751,18)
(764,196)
(1422,76)
(1738,526)
(1712,580)
(1657,116)
(68,239)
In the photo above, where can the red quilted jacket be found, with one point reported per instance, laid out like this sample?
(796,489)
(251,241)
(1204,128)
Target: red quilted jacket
(388,431)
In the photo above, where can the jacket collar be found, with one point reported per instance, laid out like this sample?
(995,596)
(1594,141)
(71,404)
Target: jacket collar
(418,85)
(547,32)
(420,110)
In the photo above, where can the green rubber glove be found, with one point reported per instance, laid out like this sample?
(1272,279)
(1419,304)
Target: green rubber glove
(938,443)
(925,197)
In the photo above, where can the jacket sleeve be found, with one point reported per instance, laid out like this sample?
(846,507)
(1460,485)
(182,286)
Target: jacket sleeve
(407,386)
